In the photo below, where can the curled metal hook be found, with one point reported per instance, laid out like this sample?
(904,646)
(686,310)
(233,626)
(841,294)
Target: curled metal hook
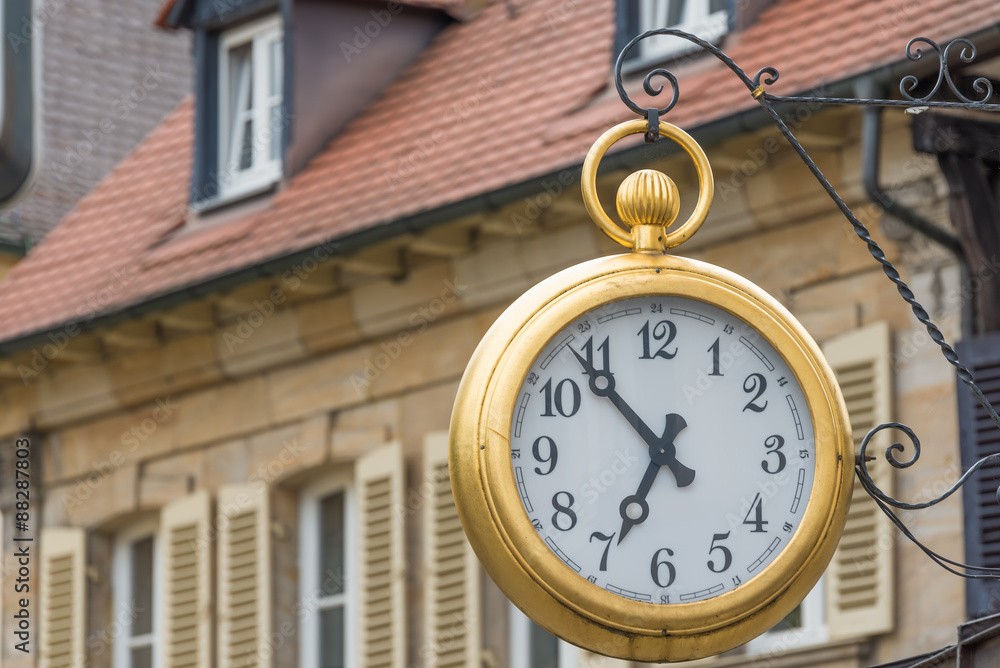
(771,74)
(890,456)
(908,84)
(654,91)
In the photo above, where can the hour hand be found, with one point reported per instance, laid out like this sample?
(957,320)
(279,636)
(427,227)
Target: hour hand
(634,509)
(602,384)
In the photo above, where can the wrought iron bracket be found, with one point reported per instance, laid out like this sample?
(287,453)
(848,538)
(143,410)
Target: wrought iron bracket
(911,103)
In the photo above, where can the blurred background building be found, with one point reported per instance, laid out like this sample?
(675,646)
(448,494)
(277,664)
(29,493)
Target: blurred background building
(236,357)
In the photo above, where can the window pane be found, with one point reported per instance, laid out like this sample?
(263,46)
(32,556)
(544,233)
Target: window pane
(274,62)
(142,657)
(331,555)
(142,587)
(331,634)
(238,127)
(240,59)
(544,647)
(275,132)
(676,13)
(246,146)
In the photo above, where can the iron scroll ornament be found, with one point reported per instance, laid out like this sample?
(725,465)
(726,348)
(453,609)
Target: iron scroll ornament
(913,104)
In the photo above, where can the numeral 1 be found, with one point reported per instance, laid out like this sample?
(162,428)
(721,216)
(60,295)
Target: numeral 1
(588,350)
(714,349)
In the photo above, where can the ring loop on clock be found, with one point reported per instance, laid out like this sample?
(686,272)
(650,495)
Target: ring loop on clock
(588,181)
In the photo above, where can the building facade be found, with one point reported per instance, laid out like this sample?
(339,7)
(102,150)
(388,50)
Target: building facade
(235,361)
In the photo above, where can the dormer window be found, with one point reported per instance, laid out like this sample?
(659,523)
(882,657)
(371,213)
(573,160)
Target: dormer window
(708,19)
(250,107)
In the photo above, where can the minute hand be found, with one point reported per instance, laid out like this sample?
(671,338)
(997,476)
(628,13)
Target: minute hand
(602,383)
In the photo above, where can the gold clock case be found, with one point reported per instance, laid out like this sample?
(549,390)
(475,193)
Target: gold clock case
(507,544)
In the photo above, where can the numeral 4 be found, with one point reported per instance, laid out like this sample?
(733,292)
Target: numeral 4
(757,510)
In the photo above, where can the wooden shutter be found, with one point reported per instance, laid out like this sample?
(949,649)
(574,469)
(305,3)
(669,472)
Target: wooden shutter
(186,603)
(63,597)
(381,559)
(452,620)
(980,437)
(859,581)
(244,576)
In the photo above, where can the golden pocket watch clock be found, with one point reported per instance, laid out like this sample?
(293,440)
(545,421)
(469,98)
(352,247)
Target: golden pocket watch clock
(649,455)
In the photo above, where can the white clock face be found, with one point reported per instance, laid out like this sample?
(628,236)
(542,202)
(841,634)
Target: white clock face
(663,449)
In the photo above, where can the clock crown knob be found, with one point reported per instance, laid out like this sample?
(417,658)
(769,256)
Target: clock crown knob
(648,197)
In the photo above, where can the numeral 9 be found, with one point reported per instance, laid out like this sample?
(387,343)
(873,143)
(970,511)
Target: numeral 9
(550,459)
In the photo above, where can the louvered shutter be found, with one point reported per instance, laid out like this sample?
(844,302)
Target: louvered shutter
(63,597)
(187,595)
(859,580)
(451,622)
(980,437)
(381,559)
(244,576)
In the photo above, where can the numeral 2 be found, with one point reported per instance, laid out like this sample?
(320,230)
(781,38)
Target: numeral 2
(755,383)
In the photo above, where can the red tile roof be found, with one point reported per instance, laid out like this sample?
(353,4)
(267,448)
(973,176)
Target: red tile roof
(492,102)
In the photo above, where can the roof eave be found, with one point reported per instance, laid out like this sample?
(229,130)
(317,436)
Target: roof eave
(748,120)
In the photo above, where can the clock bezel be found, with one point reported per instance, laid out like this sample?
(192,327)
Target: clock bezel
(518,560)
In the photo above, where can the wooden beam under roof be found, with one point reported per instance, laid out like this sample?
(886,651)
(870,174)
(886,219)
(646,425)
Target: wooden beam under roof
(190,317)
(131,335)
(444,241)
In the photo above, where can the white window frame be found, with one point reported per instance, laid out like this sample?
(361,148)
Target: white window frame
(121,593)
(814,630)
(264,170)
(310,577)
(520,645)
(697,19)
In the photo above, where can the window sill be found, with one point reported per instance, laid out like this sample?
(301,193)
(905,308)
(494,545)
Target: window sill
(260,184)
